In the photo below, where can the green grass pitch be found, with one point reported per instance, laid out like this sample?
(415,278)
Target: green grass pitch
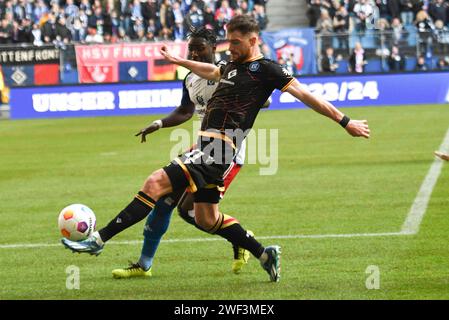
(327,183)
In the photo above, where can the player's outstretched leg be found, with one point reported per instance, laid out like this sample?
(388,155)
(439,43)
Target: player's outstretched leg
(138,209)
(155,186)
(155,227)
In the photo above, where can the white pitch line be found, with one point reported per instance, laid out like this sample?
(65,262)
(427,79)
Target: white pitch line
(419,206)
(136,242)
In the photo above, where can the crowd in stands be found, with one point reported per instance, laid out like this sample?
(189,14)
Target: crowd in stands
(98,21)
(390,20)
(341,16)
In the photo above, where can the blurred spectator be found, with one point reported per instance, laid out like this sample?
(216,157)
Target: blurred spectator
(165,35)
(49,28)
(260,16)
(209,17)
(123,37)
(146,11)
(407,11)
(195,18)
(438,10)
(70,9)
(93,36)
(25,29)
(226,10)
(136,10)
(152,27)
(37,35)
(150,37)
(179,32)
(15,32)
(22,9)
(77,30)
(328,6)
(325,29)
(399,32)
(396,61)
(166,15)
(266,51)
(384,11)
(393,8)
(261,2)
(425,28)
(63,34)
(364,13)
(107,38)
(220,24)
(443,64)
(138,29)
(357,60)
(243,6)
(40,10)
(290,64)
(314,12)
(115,24)
(421,64)
(328,62)
(119,19)
(96,20)
(177,12)
(441,34)
(384,39)
(341,26)
(86,7)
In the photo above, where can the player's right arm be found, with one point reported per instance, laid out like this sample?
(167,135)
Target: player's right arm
(178,116)
(356,128)
(204,70)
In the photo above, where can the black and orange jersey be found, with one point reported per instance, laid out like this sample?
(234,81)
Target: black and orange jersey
(242,90)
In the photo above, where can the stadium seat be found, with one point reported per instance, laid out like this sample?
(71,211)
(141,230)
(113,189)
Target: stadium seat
(342,66)
(410,63)
(69,76)
(374,65)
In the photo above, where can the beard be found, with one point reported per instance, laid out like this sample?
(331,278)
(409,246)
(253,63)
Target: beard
(241,57)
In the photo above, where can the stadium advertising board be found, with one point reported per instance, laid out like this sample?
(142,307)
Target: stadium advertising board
(162,97)
(30,65)
(126,62)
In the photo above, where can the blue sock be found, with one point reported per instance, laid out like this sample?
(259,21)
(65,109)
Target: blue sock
(156,225)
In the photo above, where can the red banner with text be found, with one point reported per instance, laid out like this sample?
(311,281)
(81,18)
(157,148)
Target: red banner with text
(126,62)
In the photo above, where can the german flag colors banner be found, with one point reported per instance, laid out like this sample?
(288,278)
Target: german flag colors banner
(126,62)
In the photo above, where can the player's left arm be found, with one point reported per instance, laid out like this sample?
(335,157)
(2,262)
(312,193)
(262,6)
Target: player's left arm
(356,128)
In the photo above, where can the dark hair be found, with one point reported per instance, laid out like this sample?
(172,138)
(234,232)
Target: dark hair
(203,33)
(244,24)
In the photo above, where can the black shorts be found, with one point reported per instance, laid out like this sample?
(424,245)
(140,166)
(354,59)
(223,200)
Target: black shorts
(200,174)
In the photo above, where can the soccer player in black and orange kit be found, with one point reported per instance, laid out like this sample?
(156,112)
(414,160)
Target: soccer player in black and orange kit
(196,94)
(244,85)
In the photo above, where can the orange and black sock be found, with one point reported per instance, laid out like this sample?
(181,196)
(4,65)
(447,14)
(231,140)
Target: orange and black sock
(137,210)
(230,229)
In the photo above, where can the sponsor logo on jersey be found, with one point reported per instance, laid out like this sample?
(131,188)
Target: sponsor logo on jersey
(232,73)
(254,66)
